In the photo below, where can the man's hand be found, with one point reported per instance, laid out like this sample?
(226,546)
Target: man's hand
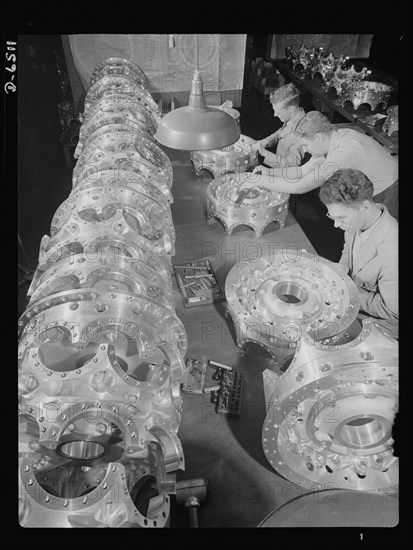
(259,146)
(264,170)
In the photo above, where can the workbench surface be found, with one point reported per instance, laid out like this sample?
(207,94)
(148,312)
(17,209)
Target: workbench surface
(244,487)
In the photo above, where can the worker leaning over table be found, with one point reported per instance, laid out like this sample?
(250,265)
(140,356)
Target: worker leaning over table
(285,103)
(332,150)
(370,253)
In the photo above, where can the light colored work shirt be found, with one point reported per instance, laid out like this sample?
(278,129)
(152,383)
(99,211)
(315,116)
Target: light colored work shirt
(351,149)
(289,151)
(371,258)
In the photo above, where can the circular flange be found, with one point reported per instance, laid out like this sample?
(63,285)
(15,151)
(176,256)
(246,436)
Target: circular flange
(286,295)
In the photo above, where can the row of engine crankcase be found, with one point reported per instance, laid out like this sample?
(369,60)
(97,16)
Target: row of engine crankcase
(101,348)
(330,414)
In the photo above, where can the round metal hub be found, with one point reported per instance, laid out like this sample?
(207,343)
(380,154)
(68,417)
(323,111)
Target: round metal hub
(286,295)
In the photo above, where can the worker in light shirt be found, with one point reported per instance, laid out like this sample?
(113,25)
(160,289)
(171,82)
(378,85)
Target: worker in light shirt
(370,253)
(332,150)
(285,103)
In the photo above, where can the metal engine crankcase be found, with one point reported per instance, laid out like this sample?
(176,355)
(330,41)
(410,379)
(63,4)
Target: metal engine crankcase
(258,209)
(133,119)
(118,65)
(276,299)
(134,177)
(118,139)
(338,78)
(114,212)
(330,415)
(120,84)
(371,93)
(101,348)
(238,157)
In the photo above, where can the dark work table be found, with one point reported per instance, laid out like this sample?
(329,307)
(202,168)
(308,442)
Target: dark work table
(328,101)
(244,487)
(245,491)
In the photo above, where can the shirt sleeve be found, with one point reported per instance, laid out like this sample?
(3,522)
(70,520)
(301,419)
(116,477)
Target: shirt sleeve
(293,158)
(384,301)
(272,139)
(345,255)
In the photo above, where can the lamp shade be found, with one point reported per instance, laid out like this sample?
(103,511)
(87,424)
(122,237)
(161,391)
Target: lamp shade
(197,127)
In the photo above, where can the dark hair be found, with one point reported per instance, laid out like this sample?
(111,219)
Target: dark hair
(287,94)
(348,187)
(311,124)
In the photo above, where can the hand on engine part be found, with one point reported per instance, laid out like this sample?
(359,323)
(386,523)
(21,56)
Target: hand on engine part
(259,146)
(264,170)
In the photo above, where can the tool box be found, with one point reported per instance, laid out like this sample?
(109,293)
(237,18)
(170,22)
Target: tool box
(197,283)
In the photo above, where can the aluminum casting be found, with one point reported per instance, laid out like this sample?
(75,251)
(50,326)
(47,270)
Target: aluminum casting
(277,298)
(371,93)
(238,157)
(330,415)
(117,141)
(342,76)
(101,349)
(258,209)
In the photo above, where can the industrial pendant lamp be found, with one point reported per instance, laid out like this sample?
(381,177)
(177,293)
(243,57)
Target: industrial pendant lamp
(197,127)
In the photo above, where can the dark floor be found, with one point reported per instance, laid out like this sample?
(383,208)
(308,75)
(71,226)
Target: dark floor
(44,179)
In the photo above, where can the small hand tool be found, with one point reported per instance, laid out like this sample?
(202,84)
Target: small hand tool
(242,195)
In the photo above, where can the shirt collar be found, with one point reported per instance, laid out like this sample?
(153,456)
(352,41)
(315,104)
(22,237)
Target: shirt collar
(370,229)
